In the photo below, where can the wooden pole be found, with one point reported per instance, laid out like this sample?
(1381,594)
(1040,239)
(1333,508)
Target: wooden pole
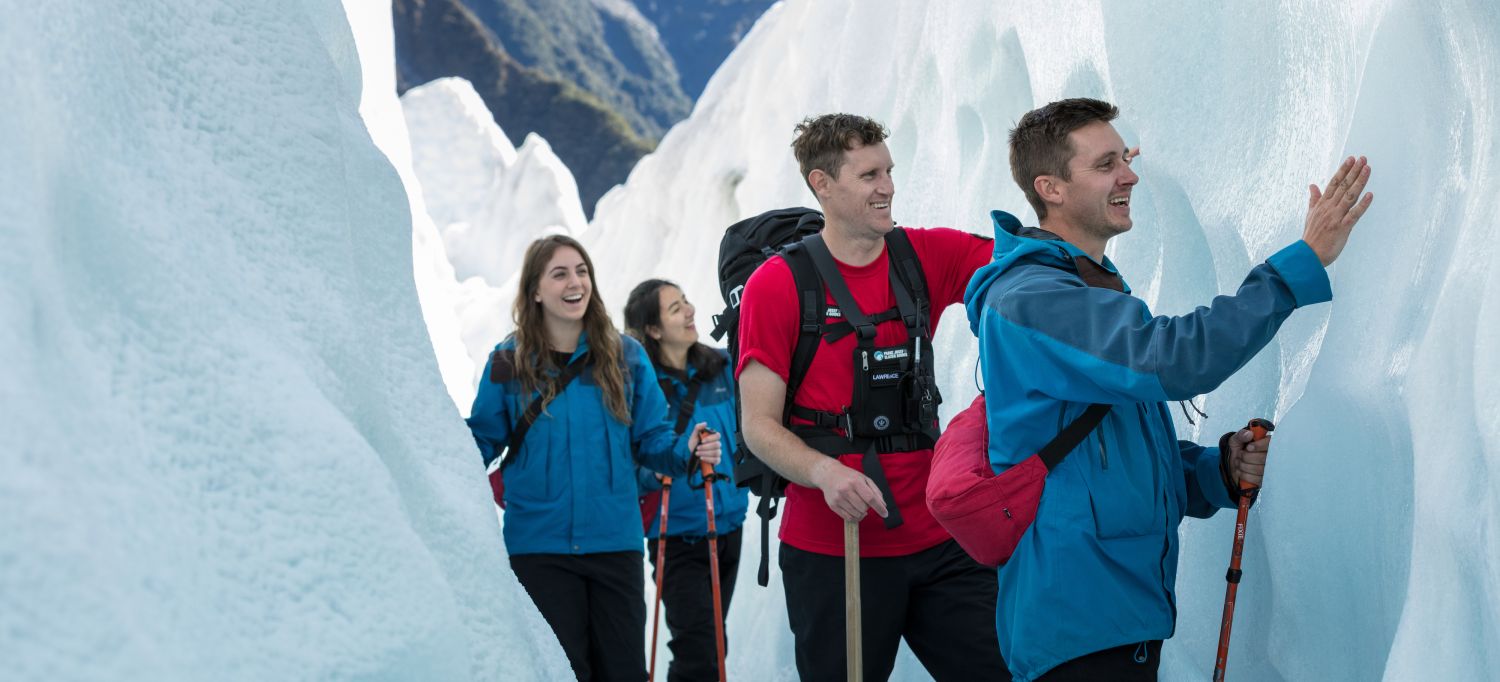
(853,640)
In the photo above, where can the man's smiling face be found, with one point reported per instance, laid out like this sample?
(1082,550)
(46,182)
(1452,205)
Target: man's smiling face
(860,197)
(1096,197)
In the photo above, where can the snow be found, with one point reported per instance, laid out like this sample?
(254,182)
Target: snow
(1374,551)
(227,447)
(228,450)
(488,201)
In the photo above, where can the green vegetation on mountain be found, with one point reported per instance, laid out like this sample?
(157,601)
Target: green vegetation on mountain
(606,48)
(701,34)
(438,38)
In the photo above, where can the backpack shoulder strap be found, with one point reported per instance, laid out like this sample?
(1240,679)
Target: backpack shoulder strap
(502,365)
(1055,450)
(905,264)
(534,410)
(828,269)
(689,402)
(810,298)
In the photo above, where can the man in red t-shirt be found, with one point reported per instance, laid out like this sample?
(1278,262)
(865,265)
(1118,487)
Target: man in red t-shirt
(916,581)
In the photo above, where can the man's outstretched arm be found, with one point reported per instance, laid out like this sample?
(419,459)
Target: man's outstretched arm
(1111,350)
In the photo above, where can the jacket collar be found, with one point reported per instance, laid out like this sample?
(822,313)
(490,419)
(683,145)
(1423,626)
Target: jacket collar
(1016,244)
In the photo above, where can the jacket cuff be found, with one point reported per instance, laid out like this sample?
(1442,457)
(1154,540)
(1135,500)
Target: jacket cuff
(1303,273)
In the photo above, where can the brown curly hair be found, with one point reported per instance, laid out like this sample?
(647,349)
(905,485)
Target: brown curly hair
(821,141)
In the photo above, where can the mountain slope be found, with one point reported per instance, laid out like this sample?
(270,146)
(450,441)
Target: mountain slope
(437,38)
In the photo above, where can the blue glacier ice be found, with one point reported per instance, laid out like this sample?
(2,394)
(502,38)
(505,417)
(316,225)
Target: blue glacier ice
(227,446)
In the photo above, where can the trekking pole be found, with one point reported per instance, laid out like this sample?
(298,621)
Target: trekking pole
(853,640)
(661,569)
(1258,429)
(713,562)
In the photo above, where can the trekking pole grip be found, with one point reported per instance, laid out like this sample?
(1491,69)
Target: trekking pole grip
(1259,428)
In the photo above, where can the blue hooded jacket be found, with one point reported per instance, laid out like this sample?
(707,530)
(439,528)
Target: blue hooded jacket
(687,516)
(572,487)
(1098,567)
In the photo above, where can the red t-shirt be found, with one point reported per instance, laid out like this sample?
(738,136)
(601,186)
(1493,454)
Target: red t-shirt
(769,323)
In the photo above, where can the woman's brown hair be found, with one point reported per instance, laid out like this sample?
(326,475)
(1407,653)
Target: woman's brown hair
(643,310)
(534,364)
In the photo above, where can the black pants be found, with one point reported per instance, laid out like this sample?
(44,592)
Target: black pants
(687,594)
(1129,663)
(596,604)
(939,599)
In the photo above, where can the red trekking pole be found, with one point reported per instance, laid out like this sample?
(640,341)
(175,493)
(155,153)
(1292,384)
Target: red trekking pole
(713,562)
(1258,429)
(661,568)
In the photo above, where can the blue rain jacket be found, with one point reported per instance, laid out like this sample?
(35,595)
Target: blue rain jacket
(1097,569)
(572,487)
(687,515)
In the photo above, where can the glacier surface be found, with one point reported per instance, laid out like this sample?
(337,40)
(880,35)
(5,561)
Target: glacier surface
(226,446)
(227,449)
(1375,550)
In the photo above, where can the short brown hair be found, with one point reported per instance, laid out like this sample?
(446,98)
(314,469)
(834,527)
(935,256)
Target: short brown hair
(1039,143)
(822,140)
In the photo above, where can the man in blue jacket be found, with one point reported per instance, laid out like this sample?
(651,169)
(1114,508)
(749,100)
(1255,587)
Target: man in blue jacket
(1089,592)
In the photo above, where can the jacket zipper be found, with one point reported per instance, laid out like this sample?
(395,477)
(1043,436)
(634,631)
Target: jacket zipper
(1103,456)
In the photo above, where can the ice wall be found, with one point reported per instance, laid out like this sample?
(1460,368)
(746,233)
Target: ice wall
(489,200)
(227,452)
(1375,550)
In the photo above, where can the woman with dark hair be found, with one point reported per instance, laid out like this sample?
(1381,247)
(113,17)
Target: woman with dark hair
(698,383)
(569,489)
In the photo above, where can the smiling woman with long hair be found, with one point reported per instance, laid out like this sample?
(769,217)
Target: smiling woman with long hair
(569,488)
(698,382)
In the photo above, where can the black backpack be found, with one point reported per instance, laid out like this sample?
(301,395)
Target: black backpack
(747,244)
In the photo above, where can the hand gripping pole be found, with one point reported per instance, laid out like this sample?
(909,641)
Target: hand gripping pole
(1258,428)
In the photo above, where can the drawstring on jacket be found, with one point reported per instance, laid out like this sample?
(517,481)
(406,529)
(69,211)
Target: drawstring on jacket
(1184,404)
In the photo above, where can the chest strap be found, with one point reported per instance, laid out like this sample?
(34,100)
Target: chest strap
(534,410)
(864,328)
